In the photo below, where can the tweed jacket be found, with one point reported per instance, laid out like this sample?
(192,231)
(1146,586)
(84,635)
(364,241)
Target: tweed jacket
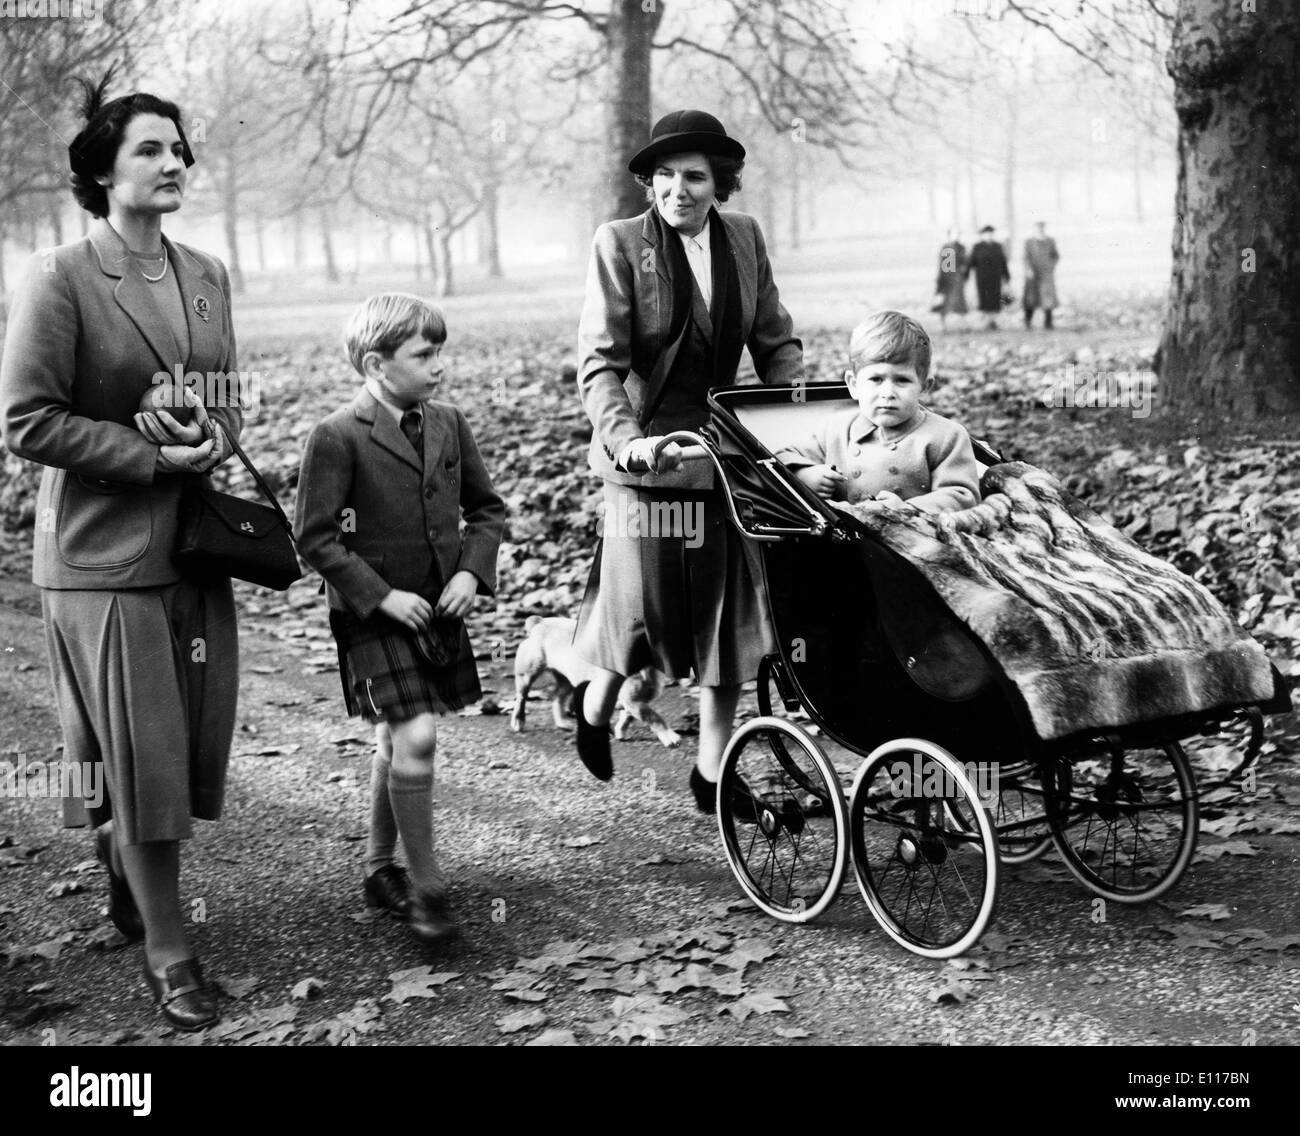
(933,467)
(623,354)
(84,342)
(372,517)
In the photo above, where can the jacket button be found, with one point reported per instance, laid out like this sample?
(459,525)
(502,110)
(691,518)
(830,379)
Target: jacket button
(428,489)
(855,472)
(893,469)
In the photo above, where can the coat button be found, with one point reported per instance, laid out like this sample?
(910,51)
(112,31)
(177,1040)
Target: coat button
(428,489)
(855,472)
(856,450)
(893,469)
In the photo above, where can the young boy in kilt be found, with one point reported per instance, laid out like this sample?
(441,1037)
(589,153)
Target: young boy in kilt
(384,485)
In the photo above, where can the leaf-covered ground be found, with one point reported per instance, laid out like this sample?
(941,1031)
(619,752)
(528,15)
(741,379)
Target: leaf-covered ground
(605,914)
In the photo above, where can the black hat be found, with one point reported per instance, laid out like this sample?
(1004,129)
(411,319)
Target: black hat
(686,132)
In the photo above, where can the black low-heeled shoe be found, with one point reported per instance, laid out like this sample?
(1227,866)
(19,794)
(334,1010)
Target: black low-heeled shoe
(122,911)
(593,741)
(743,806)
(430,919)
(390,890)
(183,995)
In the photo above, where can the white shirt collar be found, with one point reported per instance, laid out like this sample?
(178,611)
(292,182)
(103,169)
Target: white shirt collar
(699,242)
(381,397)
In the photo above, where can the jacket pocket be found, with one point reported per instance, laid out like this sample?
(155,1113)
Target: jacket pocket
(103,524)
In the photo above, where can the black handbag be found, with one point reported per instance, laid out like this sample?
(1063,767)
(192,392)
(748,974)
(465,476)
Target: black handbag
(223,535)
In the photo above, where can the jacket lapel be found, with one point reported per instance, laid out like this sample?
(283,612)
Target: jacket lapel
(384,430)
(200,298)
(132,294)
(437,438)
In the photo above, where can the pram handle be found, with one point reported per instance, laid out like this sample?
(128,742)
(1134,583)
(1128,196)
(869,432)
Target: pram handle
(694,448)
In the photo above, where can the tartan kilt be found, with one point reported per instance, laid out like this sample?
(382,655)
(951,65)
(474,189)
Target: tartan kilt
(384,677)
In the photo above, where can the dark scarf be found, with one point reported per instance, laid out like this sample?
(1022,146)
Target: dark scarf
(724,310)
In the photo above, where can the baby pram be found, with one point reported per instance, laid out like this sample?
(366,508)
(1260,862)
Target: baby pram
(958,771)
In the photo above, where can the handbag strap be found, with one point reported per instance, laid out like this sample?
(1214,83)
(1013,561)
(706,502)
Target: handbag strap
(261,484)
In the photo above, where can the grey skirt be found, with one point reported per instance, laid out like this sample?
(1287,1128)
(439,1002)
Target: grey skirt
(675,586)
(147,681)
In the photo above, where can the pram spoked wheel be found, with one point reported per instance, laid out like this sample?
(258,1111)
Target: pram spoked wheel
(1124,820)
(783,819)
(924,848)
(1020,815)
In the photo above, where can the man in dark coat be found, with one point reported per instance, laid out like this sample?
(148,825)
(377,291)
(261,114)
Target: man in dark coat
(1040,275)
(989,263)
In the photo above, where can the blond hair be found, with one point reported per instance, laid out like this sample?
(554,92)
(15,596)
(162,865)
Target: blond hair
(887,336)
(384,322)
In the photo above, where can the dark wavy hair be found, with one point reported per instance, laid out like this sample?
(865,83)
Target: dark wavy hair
(93,151)
(726,177)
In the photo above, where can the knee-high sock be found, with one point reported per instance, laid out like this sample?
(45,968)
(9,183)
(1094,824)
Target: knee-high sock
(381,841)
(412,798)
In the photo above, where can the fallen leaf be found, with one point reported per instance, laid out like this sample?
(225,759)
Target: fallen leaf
(581,841)
(791,1032)
(521,1020)
(554,1037)
(237,988)
(1212,911)
(418,982)
(308,990)
(952,993)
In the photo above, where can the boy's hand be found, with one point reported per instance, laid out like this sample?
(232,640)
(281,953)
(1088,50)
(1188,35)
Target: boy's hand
(824,480)
(893,500)
(407,608)
(457,597)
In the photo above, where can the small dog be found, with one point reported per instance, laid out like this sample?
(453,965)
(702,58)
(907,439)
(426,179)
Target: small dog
(549,647)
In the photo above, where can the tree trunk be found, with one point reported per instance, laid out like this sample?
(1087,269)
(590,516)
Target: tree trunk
(796,185)
(415,246)
(1231,346)
(629,33)
(972,200)
(297,239)
(955,215)
(1060,196)
(259,227)
(327,246)
(1137,177)
(1009,165)
(230,224)
(56,220)
(492,231)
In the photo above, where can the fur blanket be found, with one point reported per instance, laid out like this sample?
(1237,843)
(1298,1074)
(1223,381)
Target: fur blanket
(1094,632)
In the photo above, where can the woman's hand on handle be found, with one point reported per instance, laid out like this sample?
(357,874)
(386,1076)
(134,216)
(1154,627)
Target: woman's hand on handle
(643,456)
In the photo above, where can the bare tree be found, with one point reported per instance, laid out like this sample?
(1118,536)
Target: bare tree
(1231,342)
(794,60)
(38,60)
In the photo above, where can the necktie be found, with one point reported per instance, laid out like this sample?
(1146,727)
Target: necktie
(411,428)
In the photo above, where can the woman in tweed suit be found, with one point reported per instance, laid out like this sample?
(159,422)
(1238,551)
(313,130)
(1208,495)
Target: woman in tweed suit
(145,663)
(673,296)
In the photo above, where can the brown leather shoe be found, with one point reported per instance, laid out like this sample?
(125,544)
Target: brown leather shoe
(430,919)
(183,996)
(389,888)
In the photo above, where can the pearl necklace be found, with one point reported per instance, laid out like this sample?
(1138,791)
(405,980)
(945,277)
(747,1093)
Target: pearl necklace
(155,279)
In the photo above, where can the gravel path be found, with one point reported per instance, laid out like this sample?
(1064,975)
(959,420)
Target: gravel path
(585,907)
